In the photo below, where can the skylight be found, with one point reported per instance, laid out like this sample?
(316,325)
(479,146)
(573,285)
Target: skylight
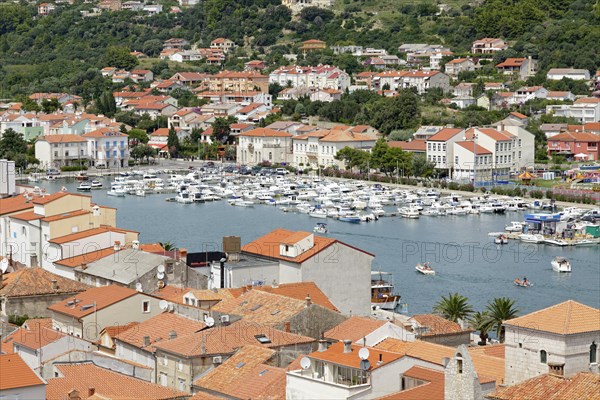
(261,373)
(240,365)
(275,312)
(256,307)
(263,339)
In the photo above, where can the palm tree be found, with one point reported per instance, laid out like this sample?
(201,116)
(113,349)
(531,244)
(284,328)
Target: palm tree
(480,321)
(168,246)
(453,307)
(500,309)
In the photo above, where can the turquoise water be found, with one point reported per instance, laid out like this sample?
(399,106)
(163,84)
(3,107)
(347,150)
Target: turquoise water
(458,248)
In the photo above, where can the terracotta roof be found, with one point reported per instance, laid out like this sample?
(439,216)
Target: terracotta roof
(471,147)
(576,137)
(152,247)
(551,387)
(445,134)
(55,196)
(159,328)
(27,216)
(87,258)
(268,246)
(436,325)
(489,132)
(87,233)
(215,294)
(115,330)
(431,389)
(335,354)
(34,337)
(226,339)
(413,145)
(511,62)
(347,136)
(247,365)
(566,318)
(37,282)
(104,132)
(587,100)
(171,293)
(67,215)
(354,328)
(62,139)
(299,291)
(16,374)
(36,323)
(13,204)
(265,132)
(261,308)
(102,296)
(107,384)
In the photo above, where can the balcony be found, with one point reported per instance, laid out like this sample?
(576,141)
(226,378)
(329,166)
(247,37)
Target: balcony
(271,146)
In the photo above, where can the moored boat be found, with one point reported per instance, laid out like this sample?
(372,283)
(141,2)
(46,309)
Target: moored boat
(408,212)
(425,269)
(320,228)
(382,291)
(84,187)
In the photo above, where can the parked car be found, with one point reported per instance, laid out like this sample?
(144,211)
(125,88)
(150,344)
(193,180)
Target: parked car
(52,171)
(281,171)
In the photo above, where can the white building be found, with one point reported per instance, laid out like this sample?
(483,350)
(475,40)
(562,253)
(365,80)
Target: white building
(342,272)
(419,79)
(319,77)
(458,65)
(320,147)
(585,110)
(108,148)
(61,150)
(556,74)
(440,149)
(263,144)
(562,340)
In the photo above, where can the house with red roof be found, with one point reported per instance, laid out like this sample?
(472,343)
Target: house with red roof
(264,144)
(311,77)
(19,380)
(458,65)
(341,271)
(522,68)
(584,146)
(107,147)
(223,44)
(488,46)
(56,151)
(585,110)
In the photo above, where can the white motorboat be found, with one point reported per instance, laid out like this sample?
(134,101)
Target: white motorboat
(408,212)
(501,239)
(243,203)
(184,198)
(532,238)
(431,212)
(117,192)
(514,226)
(318,213)
(561,264)
(84,187)
(379,212)
(382,291)
(320,228)
(557,242)
(96,184)
(425,269)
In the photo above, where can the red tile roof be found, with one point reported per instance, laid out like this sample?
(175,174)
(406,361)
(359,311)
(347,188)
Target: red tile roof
(431,389)
(102,297)
(511,62)
(471,147)
(354,328)
(299,291)
(106,384)
(413,145)
(445,134)
(16,374)
(13,204)
(67,215)
(37,282)
(87,258)
(265,132)
(583,385)
(335,354)
(62,139)
(87,233)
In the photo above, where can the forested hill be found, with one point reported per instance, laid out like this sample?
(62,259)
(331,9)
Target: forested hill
(64,50)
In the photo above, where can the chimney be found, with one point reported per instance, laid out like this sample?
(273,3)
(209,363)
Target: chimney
(557,369)
(172,335)
(380,358)
(83,266)
(135,244)
(74,395)
(308,300)
(54,284)
(91,391)
(146,340)
(287,327)
(182,254)
(322,345)
(347,346)
(117,245)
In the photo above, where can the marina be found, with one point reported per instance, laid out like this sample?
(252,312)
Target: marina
(466,259)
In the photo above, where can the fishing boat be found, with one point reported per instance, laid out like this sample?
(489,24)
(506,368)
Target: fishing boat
(561,264)
(320,228)
(84,187)
(382,291)
(501,239)
(514,226)
(96,184)
(425,269)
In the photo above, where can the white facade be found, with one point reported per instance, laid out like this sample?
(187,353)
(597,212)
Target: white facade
(109,149)
(584,110)
(557,74)
(255,147)
(58,153)
(134,354)
(319,77)
(313,151)
(35,358)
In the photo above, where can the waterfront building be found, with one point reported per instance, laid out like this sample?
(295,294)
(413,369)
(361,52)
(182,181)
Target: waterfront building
(56,151)
(108,148)
(561,339)
(263,144)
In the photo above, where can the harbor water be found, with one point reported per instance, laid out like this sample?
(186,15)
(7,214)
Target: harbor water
(458,247)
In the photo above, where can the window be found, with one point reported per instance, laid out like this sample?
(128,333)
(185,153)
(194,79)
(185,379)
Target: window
(163,379)
(146,306)
(165,360)
(180,365)
(459,363)
(56,154)
(543,356)
(181,384)
(593,353)
(263,339)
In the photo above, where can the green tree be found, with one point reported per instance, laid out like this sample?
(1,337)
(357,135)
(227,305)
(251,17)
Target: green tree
(12,143)
(51,105)
(138,136)
(142,151)
(499,310)
(453,307)
(222,128)
(354,158)
(480,322)
(173,142)
(422,167)
(398,112)
(119,57)
(106,104)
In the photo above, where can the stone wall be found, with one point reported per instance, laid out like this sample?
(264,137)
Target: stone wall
(33,306)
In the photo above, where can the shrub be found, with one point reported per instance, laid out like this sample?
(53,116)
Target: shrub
(71,168)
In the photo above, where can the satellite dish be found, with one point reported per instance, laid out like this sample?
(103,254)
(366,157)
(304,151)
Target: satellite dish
(4,265)
(138,286)
(209,321)
(160,275)
(163,304)
(365,365)
(305,363)
(161,268)
(363,353)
